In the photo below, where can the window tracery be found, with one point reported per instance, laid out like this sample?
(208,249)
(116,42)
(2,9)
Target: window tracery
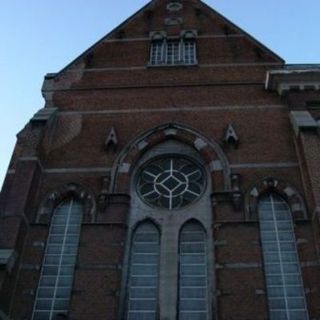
(160,186)
(171,183)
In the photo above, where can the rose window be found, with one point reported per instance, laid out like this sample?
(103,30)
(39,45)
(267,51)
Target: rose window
(171,183)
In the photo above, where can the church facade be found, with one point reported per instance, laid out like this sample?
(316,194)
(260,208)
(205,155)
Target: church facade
(172,174)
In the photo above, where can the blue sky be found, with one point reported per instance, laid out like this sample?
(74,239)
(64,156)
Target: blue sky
(42,36)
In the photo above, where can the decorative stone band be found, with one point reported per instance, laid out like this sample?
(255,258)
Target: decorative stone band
(209,150)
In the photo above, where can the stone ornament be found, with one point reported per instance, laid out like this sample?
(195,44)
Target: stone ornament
(231,138)
(174,6)
(112,140)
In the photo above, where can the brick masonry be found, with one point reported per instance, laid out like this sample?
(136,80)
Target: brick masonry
(112,85)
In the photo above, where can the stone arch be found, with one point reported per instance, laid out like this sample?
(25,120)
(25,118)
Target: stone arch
(146,220)
(280,187)
(193,220)
(209,150)
(61,193)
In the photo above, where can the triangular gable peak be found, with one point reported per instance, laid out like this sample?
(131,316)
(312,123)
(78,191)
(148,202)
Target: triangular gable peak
(232,44)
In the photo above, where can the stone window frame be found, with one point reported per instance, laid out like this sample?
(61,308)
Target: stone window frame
(184,215)
(174,6)
(280,257)
(58,196)
(279,186)
(54,197)
(174,50)
(59,265)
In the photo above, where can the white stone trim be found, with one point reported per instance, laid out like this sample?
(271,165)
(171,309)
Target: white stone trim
(200,144)
(170,132)
(205,65)
(124,168)
(177,109)
(254,192)
(78,170)
(264,165)
(215,165)
(142,144)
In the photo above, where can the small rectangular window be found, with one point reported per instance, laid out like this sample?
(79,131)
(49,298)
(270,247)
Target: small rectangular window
(156,53)
(189,47)
(173,52)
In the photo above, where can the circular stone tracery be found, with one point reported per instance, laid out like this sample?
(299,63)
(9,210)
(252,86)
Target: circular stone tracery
(171,183)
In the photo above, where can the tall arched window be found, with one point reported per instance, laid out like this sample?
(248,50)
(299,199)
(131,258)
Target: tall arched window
(143,278)
(55,284)
(282,271)
(171,186)
(193,279)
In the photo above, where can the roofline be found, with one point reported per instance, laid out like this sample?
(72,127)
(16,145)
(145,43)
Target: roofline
(290,70)
(141,10)
(104,37)
(243,31)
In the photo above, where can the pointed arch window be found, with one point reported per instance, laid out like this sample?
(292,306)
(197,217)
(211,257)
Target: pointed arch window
(285,289)
(142,289)
(55,284)
(193,278)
